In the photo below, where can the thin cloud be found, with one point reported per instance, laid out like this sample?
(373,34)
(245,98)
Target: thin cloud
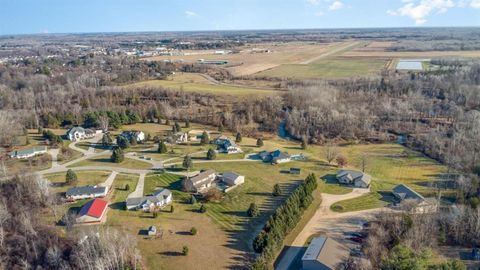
(475,4)
(420,10)
(336,5)
(190,13)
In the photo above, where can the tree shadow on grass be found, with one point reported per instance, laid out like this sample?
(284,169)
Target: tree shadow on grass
(102,160)
(118,206)
(171,253)
(330,179)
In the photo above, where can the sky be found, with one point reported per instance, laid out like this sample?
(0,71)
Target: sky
(82,16)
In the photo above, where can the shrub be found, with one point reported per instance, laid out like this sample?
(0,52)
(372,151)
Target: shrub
(193,200)
(238,138)
(204,139)
(122,142)
(211,154)
(253,210)
(185,250)
(259,142)
(213,195)
(277,191)
(203,209)
(193,231)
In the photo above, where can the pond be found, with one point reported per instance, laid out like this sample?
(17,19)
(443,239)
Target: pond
(410,64)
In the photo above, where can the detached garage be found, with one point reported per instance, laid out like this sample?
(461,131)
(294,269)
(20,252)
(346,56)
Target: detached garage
(92,212)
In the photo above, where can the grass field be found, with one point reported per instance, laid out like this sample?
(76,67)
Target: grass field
(105,161)
(84,178)
(196,83)
(121,180)
(390,165)
(326,69)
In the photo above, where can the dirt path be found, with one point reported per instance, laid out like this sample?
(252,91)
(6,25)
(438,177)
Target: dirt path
(313,226)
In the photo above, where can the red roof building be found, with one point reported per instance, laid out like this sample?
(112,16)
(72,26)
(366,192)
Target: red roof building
(92,211)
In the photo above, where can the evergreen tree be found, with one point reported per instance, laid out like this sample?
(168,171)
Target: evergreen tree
(277,191)
(177,127)
(71,177)
(205,139)
(220,127)
(122,142)
(259,142)
(106,140)
(211,154)
(193,200)
(238,138)
(167,122)
(117,155)
(187,162)
(304,143)
(162,148)
(187,123)
(40,130)
(172,209)
(133,141)
(203,208)
(253,210)
(127,187)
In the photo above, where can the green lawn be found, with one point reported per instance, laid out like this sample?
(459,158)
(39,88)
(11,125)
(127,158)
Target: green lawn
(121,180)
(84,178)
(105,161)
(326,69)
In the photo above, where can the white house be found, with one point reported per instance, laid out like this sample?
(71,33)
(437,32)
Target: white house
(159,198)
(178,138)
(28,153)
(233,179)
(79,133)
(85,192)
(138,135)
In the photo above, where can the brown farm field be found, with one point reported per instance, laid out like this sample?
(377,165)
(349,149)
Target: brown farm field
(246,62)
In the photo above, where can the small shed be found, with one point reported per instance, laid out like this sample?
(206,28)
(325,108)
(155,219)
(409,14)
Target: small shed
(152,230)
(295,170)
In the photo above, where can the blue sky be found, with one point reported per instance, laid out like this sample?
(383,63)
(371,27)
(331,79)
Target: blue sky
(65,16)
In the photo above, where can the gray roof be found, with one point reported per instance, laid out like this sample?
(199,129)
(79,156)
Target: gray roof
(27,151)
(85,190)
(197,179)
(326,251)
(356,175)
(74,129)
(157,196)
(405,192)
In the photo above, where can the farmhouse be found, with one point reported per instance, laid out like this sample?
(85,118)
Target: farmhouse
(85,192)
(275,157)
(178,138)
(29,152)
(416,202)
(79,133)
(93,211)
(355,178)
(138,135)
(226,145)
(200,182)
(159,198)
(233,179)
(324,253)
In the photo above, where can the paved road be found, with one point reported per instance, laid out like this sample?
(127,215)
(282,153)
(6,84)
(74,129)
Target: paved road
(313,226)
(138,192)
(109,182)
(348,45)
